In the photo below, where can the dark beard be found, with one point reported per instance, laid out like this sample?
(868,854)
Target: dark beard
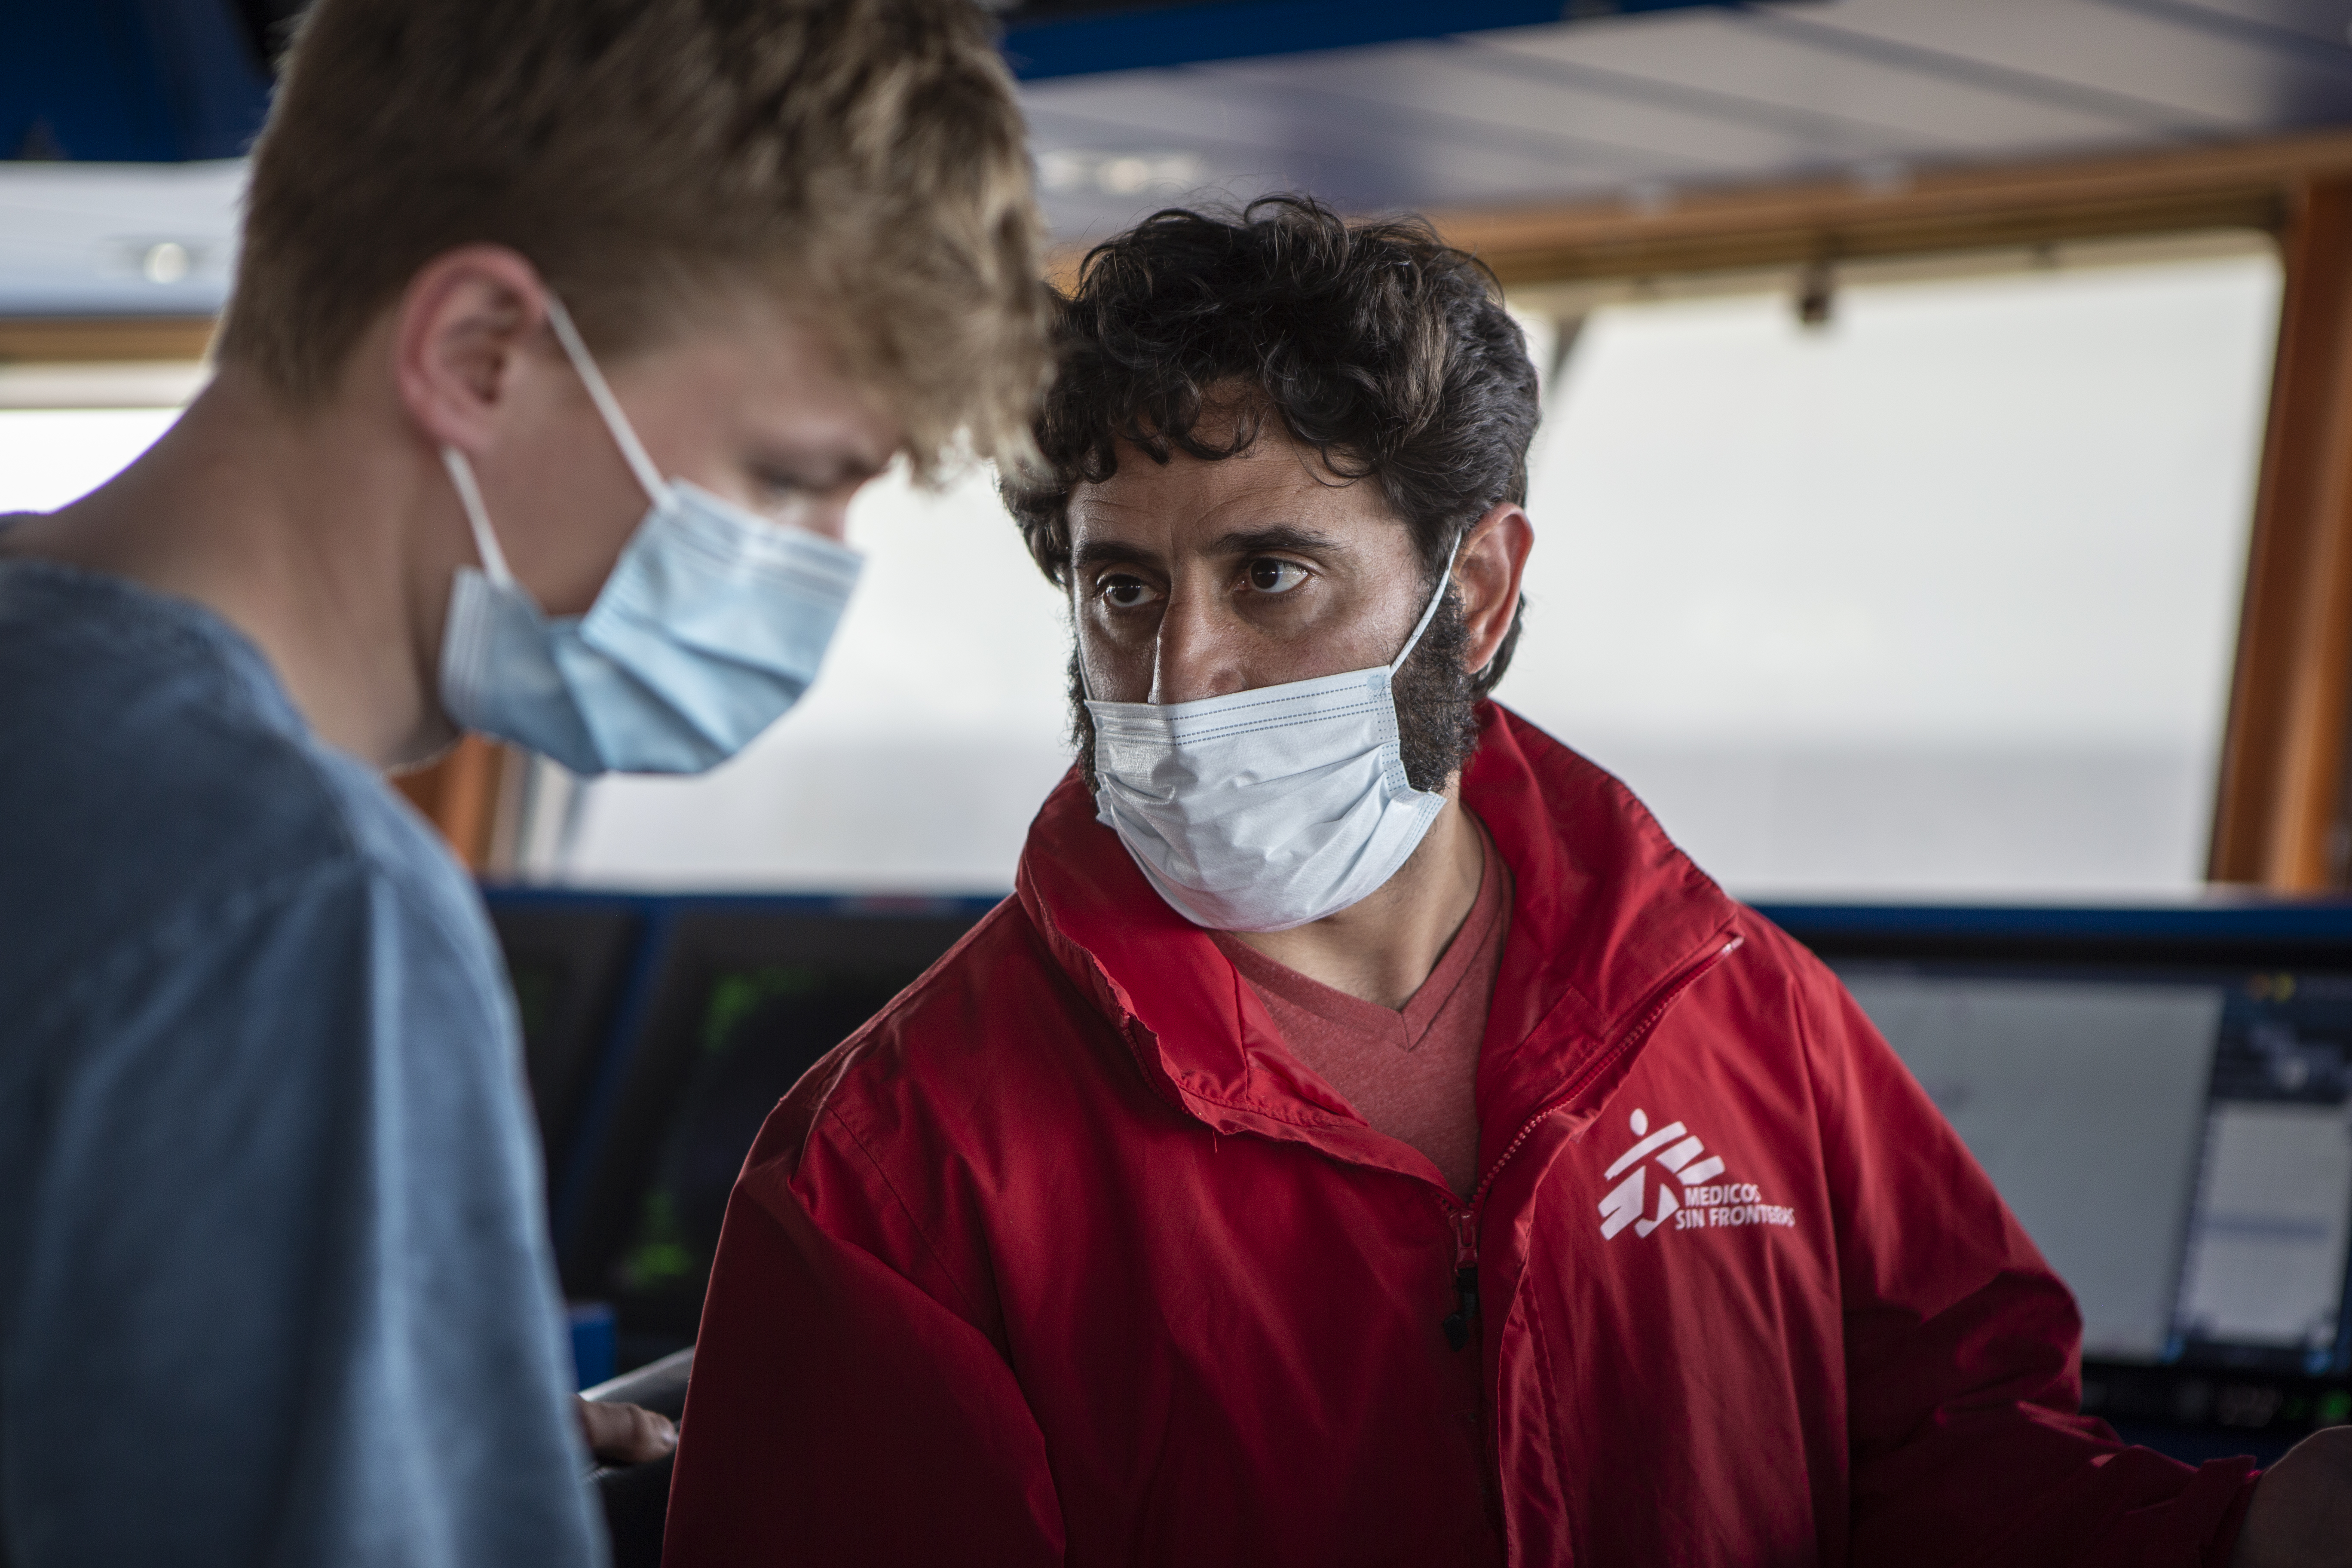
(1436,708)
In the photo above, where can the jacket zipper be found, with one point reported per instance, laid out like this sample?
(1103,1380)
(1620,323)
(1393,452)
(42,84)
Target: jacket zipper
(1463,1319)
(1466,1278)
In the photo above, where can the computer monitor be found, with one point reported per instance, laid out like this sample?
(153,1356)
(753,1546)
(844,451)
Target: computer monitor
(2164,1098)
(746,995)
(568,956)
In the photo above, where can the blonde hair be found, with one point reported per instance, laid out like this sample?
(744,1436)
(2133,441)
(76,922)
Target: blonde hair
(862,158)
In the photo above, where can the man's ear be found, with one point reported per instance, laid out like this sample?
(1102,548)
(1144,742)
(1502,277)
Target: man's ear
(465,325)
(1492,561)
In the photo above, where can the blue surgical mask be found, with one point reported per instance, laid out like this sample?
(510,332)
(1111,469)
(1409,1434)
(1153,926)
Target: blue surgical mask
(712,624)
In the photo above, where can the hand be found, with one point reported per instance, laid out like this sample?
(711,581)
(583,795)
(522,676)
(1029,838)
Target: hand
(624,1434)
(2302,1513)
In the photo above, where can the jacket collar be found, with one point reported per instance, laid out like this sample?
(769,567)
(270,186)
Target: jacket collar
(1608,921)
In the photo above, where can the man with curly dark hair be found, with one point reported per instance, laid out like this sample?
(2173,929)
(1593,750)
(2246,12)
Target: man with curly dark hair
(1366,1138)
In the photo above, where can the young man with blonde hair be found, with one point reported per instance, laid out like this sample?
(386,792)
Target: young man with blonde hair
(562,334)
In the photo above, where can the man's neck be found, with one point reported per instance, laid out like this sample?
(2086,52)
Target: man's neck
(298,531)
(1380,949)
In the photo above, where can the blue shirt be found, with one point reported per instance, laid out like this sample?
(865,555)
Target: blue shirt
(275,1286)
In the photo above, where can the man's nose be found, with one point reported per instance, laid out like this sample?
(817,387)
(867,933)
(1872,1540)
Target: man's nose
(1193,656)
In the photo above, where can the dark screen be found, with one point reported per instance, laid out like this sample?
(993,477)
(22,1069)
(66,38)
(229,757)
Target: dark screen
(759,1029)
(566,959)
(540,985)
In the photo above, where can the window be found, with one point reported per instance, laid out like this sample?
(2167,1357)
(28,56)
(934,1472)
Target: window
(913,766)
(52,456)
(1939,597)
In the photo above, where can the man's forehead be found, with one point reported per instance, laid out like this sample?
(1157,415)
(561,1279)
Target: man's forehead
(783,379)
(1194,502)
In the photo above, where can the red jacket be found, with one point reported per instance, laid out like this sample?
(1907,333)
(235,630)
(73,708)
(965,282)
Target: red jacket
(1063,1258)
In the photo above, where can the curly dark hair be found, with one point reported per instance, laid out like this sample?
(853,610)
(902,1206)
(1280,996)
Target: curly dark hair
(1376,344)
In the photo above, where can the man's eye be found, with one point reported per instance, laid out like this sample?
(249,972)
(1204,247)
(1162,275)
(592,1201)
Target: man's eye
(780,495)
(1270,575)
(779,481)
(1128,593)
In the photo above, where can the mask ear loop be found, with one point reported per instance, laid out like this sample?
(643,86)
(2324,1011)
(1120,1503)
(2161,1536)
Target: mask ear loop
(478,517)
(625,436)
(1444,581)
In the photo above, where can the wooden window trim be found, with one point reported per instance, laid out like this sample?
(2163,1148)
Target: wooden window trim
(103,340)
(473,794)
(2280,809)
(2251,184)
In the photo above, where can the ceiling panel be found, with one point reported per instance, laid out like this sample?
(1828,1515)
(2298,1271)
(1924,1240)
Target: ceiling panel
(1640,105)
(1463,97)
(2277,21)
(1427,106)
(2227,80)
(1153,162)
(1808,64)
(1635,107)
(1740,116)
(1247,137)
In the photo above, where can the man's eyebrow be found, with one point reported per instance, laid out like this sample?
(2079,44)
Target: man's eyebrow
(1096,552)
(1108,552)
(1282,536)
(823,469)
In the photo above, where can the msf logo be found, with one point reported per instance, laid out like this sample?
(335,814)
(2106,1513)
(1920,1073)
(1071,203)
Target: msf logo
(1677,1152)
(1703,1203)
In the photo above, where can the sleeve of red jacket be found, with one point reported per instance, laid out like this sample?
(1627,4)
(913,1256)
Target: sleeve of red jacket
(1963,1354)
(839,1413)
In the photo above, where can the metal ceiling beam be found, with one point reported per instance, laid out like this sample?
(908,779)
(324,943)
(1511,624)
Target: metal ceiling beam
(1049,41)
(165,80)
(1893,212)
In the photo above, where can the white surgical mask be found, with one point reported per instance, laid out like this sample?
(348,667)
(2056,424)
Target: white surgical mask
(1265,809)
(712,624)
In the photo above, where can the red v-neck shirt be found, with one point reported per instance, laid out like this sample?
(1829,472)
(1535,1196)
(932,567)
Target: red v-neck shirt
(1411,1074)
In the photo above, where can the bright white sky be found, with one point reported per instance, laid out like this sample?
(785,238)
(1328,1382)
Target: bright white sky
(917,760)
(2002,519)
(2010,510)
(51,455)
